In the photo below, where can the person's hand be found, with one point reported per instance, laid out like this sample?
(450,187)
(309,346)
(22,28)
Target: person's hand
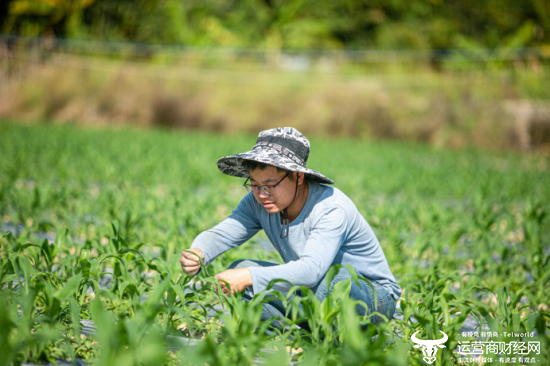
(238,279)
(190,263)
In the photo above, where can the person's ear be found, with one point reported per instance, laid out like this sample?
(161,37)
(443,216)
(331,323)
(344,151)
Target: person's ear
(301,177)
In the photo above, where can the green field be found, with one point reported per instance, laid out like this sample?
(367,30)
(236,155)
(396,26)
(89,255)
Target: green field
(93,223)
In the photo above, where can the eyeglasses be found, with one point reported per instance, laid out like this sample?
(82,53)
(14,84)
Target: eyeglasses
(269,190)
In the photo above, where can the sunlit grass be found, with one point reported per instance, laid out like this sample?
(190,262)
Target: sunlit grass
(109,211)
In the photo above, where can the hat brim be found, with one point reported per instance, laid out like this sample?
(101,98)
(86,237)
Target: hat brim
(232,165)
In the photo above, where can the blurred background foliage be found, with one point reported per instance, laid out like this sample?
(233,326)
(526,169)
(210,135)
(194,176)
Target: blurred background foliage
(389,24)
(447,73)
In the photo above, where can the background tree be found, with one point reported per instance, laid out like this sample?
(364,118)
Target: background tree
(351,24)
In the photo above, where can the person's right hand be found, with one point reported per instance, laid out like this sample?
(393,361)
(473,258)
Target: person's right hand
(190,264)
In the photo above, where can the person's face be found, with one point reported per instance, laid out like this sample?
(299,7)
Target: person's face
(284,192)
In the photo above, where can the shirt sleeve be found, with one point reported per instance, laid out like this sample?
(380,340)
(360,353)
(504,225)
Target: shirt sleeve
(322,245)
(236,229)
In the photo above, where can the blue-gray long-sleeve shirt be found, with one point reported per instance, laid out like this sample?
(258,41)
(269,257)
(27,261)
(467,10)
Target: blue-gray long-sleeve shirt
(329,230)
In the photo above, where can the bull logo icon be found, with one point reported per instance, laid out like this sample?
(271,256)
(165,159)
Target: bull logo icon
(429,347)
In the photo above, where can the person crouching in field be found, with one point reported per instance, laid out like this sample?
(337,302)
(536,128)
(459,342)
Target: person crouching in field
(312,225)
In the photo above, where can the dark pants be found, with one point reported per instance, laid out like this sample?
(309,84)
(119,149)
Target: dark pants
(385,301)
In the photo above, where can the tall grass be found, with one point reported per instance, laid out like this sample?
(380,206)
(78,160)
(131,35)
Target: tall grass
(491,104)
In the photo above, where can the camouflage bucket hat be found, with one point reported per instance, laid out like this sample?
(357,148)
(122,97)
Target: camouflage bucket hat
(283,147)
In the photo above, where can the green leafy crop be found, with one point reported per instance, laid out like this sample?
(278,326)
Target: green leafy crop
(93,223)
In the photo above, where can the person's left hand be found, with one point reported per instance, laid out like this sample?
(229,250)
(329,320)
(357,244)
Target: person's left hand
(237,279)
